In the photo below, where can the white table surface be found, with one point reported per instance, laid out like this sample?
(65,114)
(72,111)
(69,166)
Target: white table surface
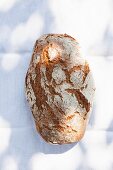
(21,148)
(21,23)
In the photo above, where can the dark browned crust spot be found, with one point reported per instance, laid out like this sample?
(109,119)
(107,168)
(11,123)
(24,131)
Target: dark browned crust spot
(81,98)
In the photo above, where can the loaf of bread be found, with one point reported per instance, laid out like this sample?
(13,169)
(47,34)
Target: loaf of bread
(59,88)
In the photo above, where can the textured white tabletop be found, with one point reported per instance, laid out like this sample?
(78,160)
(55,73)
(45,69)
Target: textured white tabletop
(21,22)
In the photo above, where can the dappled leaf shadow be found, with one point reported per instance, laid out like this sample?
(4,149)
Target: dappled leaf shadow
(109,133)
(12,22)
(92,117)
(54,149)
(82,147)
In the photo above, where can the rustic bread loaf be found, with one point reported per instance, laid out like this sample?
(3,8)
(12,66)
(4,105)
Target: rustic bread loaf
(59,88)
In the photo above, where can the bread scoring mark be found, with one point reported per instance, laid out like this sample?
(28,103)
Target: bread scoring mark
(81,98)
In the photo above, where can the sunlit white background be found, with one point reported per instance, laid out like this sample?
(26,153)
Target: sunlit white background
(21,23)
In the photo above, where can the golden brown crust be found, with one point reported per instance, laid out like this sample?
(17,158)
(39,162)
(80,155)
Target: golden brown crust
(58,89)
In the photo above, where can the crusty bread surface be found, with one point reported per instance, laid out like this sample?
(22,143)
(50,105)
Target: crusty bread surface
(59,88)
